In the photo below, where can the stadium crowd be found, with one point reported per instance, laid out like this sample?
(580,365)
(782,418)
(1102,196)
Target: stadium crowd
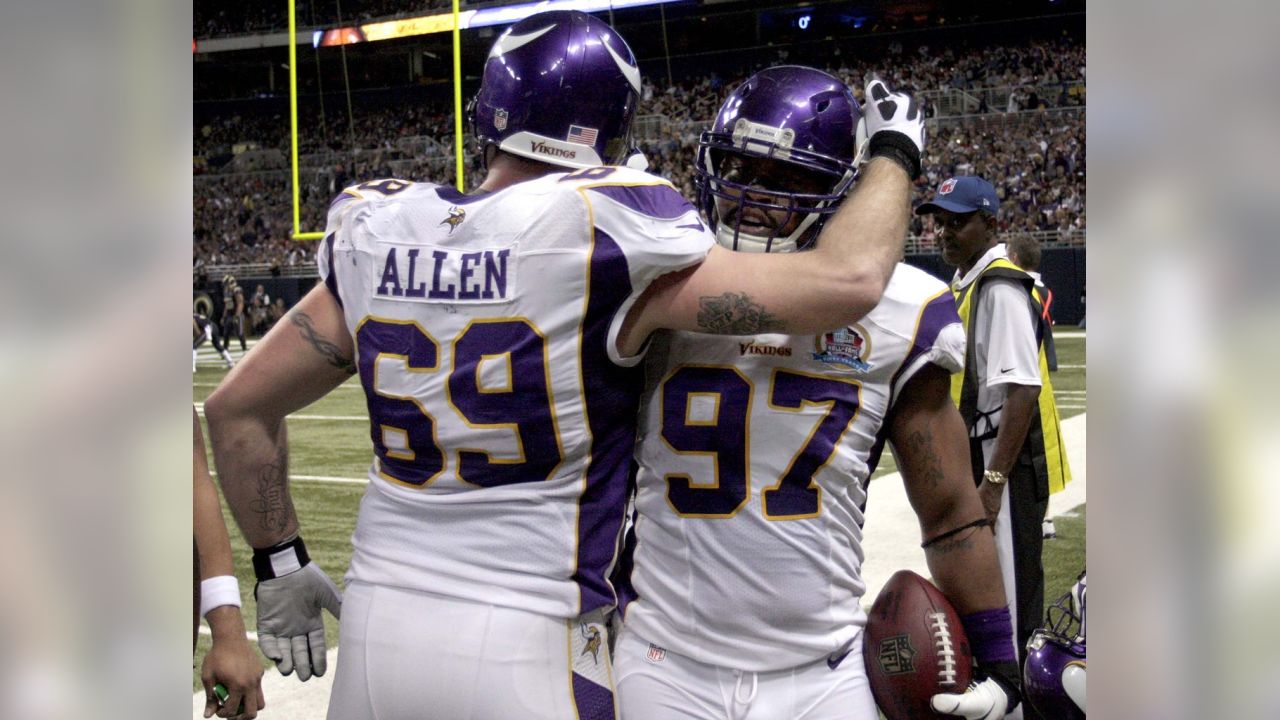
(1032,148)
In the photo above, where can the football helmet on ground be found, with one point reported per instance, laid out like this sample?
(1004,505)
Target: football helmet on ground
(1054,674)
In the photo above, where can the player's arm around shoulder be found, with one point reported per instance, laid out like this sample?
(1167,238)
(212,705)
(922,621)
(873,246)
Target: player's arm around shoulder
(838,282)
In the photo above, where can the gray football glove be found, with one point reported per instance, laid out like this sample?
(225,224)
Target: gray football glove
(290,624)
(894,125)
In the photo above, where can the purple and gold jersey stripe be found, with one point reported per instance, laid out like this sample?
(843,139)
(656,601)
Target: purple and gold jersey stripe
(592,701)
(938,313)
(331,277)
(656,201)
(612,394)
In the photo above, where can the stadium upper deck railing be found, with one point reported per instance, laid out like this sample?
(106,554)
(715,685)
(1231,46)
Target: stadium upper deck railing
(916,245)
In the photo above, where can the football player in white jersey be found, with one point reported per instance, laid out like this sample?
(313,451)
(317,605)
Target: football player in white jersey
(498,337)
(755,454)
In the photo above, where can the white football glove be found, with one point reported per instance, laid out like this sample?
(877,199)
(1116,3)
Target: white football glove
(985,700)
(290,625)
(894,124)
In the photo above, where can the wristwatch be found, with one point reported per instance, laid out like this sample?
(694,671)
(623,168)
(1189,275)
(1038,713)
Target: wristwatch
(995,477)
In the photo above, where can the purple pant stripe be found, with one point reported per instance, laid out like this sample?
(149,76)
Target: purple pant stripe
(593,701)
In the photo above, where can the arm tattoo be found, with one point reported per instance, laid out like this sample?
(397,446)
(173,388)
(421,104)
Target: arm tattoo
(919,446)
(274,506)
(951,545)
(735,314)
(330,351)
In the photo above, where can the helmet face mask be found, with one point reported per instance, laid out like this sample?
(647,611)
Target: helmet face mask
(778,159)
(559,87)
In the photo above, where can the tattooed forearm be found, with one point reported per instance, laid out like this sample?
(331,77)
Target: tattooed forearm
(330,351)
(735,314)
(923,458)
(274,506)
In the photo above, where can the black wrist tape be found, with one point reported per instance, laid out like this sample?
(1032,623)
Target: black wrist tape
(898,148)
(279,560)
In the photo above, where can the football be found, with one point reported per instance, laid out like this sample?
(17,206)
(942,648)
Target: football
(914,647)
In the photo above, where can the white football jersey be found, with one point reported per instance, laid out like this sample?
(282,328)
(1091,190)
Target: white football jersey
(754,457)
(502,418)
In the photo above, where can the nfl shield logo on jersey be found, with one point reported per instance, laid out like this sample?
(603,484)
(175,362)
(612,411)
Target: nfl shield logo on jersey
(848,347)
(500,119)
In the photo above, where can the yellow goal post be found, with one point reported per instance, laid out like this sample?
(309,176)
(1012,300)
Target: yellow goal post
(298,234)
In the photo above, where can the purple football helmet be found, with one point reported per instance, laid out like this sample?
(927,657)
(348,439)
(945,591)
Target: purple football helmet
(1053,679)
(778,159)
(560,87)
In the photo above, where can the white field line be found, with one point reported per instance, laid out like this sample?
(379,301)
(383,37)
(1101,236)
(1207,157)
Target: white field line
(349,385)
(364,418)
(321,479)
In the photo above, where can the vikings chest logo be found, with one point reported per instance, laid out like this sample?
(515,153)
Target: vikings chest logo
(849,346)
(456,216)
(591,634)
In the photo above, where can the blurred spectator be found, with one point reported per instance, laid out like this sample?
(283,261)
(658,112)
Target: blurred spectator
(277,310)
(259,305)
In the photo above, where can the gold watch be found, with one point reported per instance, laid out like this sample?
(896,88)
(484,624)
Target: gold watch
(995,477)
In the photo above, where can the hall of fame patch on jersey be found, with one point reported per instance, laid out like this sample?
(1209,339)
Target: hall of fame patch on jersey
(848,346)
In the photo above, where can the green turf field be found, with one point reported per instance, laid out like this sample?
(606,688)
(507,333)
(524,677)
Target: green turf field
(330,441)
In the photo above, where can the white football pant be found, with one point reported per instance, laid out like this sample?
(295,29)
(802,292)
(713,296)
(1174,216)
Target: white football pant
(655,684)
(407,655)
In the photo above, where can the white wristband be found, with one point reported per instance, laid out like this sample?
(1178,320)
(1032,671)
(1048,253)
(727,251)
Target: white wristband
(218,591)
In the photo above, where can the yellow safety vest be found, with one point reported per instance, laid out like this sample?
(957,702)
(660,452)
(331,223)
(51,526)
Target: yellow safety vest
(1043,447)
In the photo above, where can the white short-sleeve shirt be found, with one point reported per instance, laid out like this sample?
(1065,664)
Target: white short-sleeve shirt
(1004,338)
